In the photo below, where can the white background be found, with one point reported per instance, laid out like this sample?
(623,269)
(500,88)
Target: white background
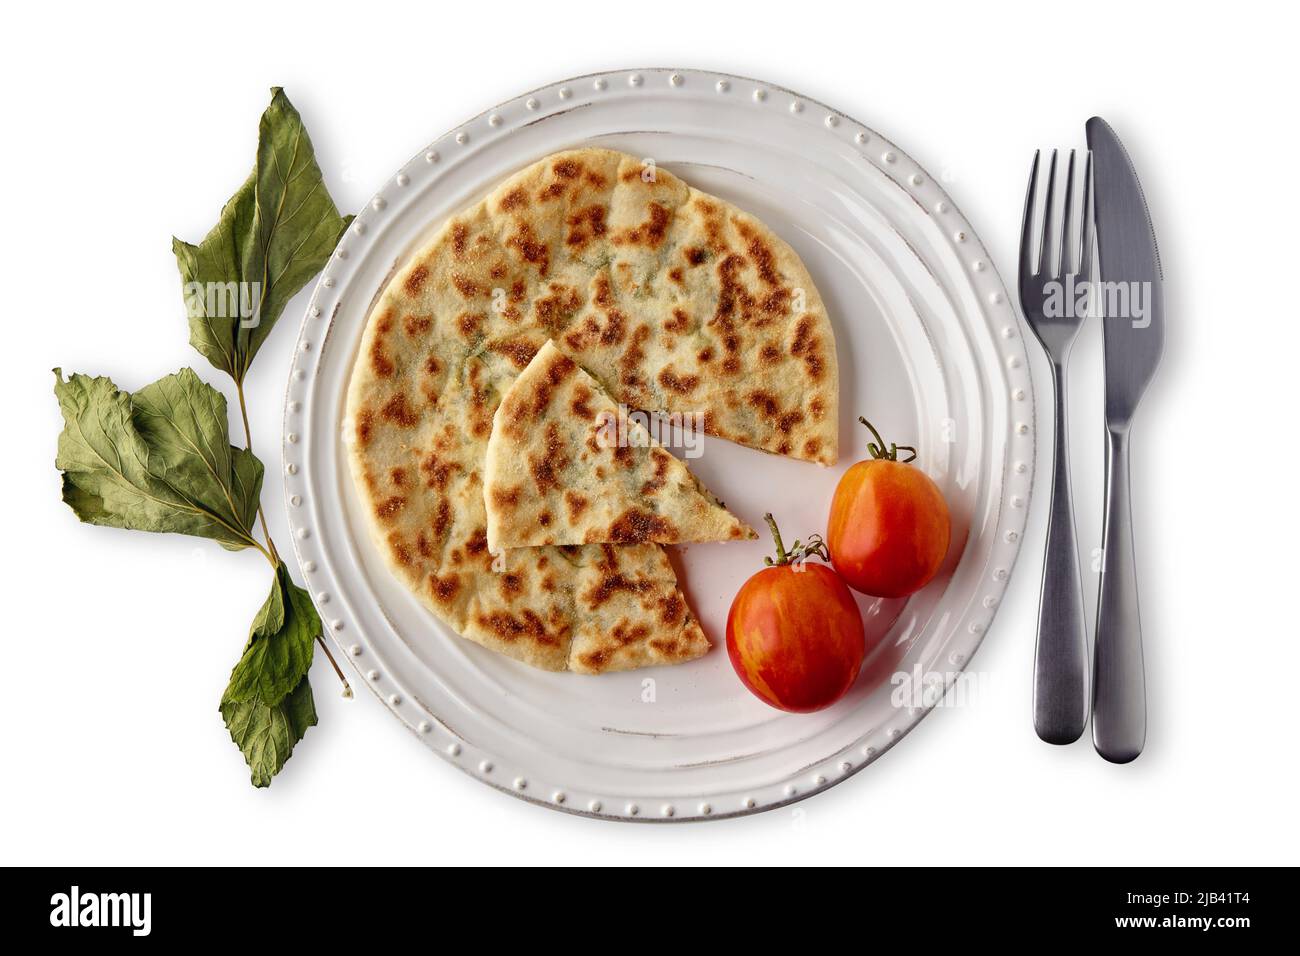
(122,129)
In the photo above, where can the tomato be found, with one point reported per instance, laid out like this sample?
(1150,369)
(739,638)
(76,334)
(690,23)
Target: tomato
(794,632)
(889,527)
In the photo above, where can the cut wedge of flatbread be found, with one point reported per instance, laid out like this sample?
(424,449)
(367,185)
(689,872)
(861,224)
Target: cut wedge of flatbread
(673,299)
(567,465)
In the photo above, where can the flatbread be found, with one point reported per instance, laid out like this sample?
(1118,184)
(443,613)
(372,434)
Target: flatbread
(566,465)
(673,299)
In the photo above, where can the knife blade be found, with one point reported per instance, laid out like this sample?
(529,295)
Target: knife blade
(1131,299)
(1131,277)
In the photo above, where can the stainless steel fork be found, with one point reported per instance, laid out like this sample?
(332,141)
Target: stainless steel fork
(1049,300)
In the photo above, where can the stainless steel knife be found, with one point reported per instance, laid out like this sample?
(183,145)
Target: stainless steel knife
(1132,303)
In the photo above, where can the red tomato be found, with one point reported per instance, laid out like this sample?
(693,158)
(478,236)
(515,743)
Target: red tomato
(889,527)
(794,633)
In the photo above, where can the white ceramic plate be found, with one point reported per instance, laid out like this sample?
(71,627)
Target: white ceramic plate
(929,348)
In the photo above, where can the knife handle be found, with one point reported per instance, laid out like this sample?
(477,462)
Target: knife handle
(1119,708)
(1061,653)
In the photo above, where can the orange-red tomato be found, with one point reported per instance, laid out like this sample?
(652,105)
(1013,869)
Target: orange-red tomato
(794,635)
(888,528)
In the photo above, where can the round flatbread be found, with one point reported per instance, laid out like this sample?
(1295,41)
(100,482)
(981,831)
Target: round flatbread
(673,300)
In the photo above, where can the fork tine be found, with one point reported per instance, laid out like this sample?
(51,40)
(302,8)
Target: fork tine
(1049,235)
(1063,262)
(1085,213)
(1027,225)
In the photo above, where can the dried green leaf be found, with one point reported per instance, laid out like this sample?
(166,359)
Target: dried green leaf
(266,734)
(280,644)
(160,460)
(276,232)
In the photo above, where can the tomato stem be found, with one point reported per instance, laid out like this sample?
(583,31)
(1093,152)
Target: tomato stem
(799,551)
(877,447)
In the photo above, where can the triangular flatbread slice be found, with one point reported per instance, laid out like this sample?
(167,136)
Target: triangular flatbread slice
(566,465)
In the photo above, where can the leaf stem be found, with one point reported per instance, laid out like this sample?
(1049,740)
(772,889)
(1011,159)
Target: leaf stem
(347,688)
(265,553)
(273,556)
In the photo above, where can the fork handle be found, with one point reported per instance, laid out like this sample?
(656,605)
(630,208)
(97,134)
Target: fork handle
(1061,654)
(1119,709)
